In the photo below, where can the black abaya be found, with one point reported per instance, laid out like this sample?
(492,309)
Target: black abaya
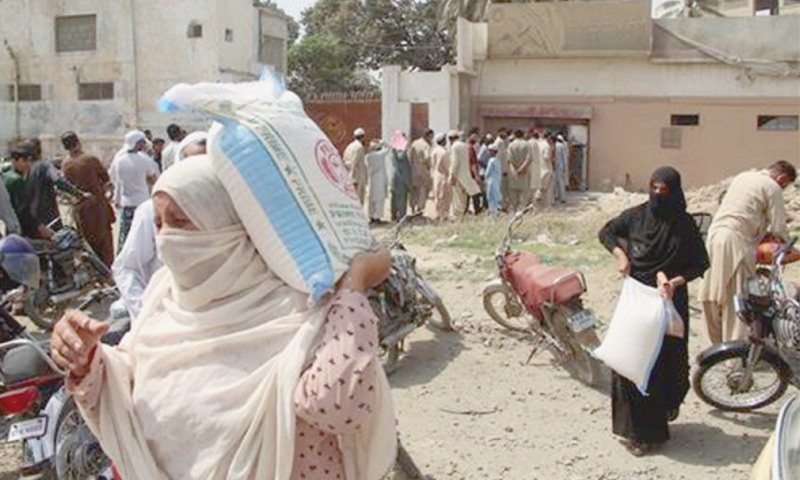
(657,236)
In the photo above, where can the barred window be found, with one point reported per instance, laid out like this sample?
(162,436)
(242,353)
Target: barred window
(96,91)
(778,123)
(27,93)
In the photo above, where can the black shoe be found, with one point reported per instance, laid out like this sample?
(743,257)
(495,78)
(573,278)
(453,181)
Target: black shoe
(673,414)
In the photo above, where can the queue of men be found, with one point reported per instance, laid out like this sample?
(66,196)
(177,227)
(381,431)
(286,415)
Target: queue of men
(452,170)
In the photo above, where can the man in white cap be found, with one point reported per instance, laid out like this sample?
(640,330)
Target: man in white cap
(138,260)
(464,186)
(354,160)
(133,173)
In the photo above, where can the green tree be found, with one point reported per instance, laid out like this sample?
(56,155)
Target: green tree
(319,63)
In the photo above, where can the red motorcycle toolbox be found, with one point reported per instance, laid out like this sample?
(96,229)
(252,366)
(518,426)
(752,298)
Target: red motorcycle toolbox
(537,283)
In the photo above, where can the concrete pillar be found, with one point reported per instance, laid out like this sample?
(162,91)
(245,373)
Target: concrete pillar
(395,115)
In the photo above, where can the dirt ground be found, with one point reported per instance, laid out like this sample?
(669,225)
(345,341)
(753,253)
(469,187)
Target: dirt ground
(469,407)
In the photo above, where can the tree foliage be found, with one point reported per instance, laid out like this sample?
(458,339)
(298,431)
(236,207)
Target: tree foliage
(319,63)
(370,34)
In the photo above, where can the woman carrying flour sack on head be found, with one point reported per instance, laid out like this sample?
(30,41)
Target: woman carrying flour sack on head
(658,244)
(228,373)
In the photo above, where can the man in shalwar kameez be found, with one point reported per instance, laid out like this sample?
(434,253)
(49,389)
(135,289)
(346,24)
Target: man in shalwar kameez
(442,192)
(353,158)
(420,153)
(752,206)
(464,186)
(378,180)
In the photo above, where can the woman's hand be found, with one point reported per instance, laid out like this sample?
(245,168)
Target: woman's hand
(368,270)
(75,338)
(623,264)
(665,287)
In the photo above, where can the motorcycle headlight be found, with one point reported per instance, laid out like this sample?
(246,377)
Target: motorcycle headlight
(22,268)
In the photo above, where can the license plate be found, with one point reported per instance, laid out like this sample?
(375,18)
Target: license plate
(582,321)
(35,427)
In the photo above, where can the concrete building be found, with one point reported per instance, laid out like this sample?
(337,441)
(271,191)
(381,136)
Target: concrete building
(711,96)
(98,67)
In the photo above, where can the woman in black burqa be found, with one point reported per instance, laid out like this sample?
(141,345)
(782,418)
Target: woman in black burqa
(658,244)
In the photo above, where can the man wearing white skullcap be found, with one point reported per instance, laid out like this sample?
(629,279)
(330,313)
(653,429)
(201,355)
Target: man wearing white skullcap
(132,173)
(355,162)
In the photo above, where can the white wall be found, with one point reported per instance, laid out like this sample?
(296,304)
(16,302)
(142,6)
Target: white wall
(399,89)
(164,56)
(625,77)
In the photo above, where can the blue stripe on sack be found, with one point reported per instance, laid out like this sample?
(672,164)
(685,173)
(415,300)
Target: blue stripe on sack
(652,363)
(268,186)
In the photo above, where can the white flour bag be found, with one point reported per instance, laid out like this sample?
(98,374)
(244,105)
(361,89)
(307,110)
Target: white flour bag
(634,337)
(287,181)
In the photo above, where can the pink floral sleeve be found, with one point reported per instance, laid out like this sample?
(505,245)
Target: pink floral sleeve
(336,392)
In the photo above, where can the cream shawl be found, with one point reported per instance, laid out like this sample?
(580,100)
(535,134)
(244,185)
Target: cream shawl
(202,387)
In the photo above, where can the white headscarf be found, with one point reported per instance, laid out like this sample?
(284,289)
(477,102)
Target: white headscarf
(202,388)
(194,137)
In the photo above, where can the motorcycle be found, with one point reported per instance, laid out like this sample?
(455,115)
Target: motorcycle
(741,376)
(36,409)
(545,302)
(404,302)
(72,270)
(778,459)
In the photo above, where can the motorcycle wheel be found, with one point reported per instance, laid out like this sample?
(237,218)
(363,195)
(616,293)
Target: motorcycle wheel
(78,454)
(575,357)
(499,298)
(717,379)
(440,317)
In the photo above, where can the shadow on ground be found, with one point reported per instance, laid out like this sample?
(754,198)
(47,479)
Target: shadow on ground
(701,444)
(425,359)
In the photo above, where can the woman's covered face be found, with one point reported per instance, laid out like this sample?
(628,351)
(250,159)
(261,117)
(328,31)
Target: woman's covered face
(659,188)
(170,215)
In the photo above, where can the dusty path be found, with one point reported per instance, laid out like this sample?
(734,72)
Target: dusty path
(469,408)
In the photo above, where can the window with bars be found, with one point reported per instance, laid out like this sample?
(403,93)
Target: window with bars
(778,123)
(76,33)
(27,93)
(96,91)
(683,120)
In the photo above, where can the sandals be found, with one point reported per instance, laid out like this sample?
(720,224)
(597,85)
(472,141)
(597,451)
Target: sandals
(637,449)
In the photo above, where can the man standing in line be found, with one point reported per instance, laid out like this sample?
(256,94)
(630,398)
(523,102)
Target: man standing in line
(535,166)
(519,156)
(20,220)
(132,173)
(354,160)
(442,191)
(95,214)
(561,167)
(175,134)
(502,155)
(547,148)
(752,207)
(464,186)
(421,171)
(378,181)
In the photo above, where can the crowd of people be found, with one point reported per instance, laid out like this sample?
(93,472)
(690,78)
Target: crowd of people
(462,173)
(297,389)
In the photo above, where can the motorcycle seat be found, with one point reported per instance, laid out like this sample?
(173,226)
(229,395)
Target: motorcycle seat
(539,283)
(23,363)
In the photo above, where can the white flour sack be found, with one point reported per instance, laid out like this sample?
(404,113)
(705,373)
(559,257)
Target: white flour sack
(633,341)
(287,181)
